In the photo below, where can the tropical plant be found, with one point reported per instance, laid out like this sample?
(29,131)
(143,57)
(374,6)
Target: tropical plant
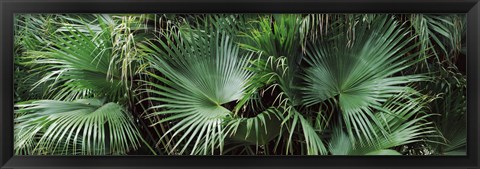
(276,73)
(81,127)
(449,110)
(87,60)
(240,84)
(198,80)
(359,74)
(395,120)
(440,36)
(84,59)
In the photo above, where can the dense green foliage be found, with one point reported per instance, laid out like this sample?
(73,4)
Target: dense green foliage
(240,84)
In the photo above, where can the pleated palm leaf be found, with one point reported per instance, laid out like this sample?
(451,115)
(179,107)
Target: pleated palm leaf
(86,57)
(197,80)
(360,73)
(80,127)
(404,120)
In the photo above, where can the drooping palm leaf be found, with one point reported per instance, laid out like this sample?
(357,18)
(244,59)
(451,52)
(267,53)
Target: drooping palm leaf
(88,59)
(439,35)
(451,107)
(319,26)
(32,33)
(84,127)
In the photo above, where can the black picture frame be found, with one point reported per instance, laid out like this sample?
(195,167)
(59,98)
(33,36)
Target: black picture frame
(9,7)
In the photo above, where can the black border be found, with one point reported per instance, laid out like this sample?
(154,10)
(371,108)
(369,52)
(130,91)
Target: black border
(9,7)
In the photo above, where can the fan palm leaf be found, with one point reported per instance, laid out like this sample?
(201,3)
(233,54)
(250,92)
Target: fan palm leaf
(199,78)
(360,74)
(405,122)
(84,127)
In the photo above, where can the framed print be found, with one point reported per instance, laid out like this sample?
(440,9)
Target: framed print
(239,84)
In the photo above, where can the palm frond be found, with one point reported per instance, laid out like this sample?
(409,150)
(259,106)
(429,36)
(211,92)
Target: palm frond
(405,122)
(360,74)
(88,59)
(278,40)
(84,127)
(199,78)
(439,35)
(258,130)
(451,107)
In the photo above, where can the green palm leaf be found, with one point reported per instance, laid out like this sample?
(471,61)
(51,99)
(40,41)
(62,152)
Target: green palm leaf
(258,130)
(440,36)
(257,84)
(199,78)
(84,127)
(405,122)
(278,39)
(89,59)
(451,107)
(360,74)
